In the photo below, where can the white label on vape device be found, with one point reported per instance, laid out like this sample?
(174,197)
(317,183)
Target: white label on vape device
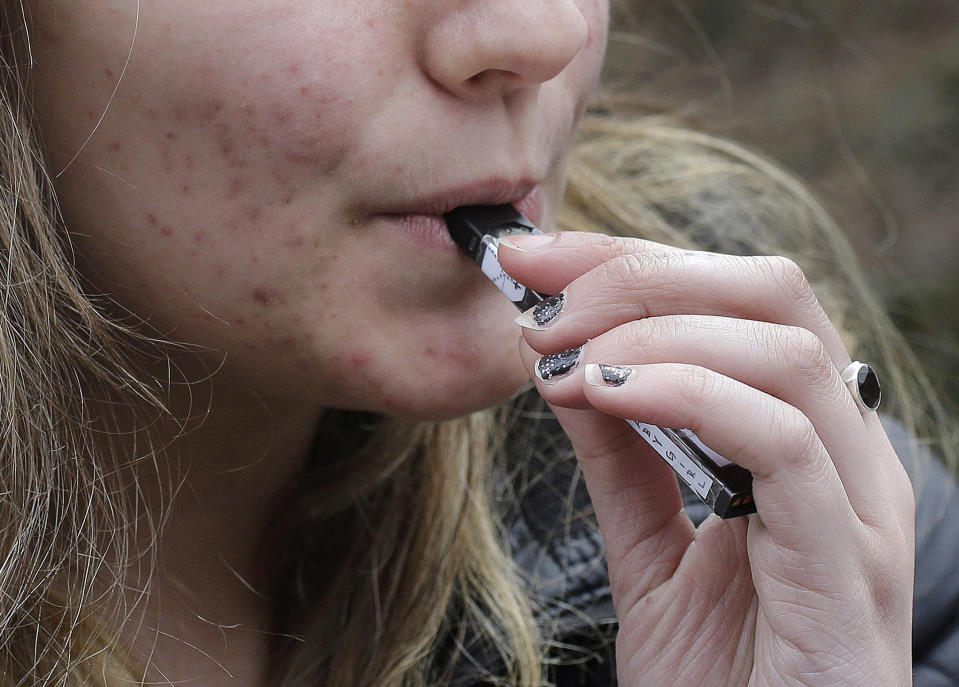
(715,457)
(492,269)
(691,473)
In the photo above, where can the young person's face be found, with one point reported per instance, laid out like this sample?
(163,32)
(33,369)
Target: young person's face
(266,176)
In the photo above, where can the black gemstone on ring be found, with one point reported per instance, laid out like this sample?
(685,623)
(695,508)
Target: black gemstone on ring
(867,381)
(557,364)
(547,309)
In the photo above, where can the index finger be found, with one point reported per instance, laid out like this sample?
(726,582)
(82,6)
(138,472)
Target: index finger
(615,280)
(570,253)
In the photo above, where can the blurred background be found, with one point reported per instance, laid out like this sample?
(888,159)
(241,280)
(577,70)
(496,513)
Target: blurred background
(861,99)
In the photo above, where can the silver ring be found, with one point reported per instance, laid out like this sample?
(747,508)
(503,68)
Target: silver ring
(863,383)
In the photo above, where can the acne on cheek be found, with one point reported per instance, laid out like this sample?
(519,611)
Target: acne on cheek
(284,117)
(265,297)
(241,169)
(271,153)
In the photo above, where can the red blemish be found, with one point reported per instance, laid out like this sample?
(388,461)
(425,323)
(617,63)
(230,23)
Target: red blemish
(199,237)
(360,358)
(305,153)
(185,189)
(166,230)
(431,352)
(170,135)
(209,110)
(224,140)
(152,218)
(262,296)
(281,115)
(293,69)
(288,198)
(304,90)
(236,187)
(253,213)
(115,146)
(293,241)
(239,321)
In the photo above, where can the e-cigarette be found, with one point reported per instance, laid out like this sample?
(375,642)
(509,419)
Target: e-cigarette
(724,486)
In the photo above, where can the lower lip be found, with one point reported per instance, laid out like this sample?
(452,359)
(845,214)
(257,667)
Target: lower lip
(430,230)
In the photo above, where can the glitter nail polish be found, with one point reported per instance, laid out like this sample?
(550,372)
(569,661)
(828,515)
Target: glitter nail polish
(558,364)
(547,309)
(615,375)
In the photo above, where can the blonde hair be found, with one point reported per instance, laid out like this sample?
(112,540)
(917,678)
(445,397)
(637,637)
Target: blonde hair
(389,563)
(64,512)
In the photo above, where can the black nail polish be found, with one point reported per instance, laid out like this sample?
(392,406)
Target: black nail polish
(614,375)
(558,364)
(547,309)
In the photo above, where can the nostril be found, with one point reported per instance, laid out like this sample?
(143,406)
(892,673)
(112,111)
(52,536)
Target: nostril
(487,76)
(478,79)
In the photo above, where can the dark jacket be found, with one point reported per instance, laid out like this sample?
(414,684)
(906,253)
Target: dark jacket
(557,544)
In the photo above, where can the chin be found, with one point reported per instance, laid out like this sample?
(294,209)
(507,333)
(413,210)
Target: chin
(444,397)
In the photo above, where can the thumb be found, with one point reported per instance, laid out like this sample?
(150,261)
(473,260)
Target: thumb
(636,497)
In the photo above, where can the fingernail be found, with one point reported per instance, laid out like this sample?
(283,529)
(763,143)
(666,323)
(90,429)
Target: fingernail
(542,313)
(558,364)
(527,243)
(606,375)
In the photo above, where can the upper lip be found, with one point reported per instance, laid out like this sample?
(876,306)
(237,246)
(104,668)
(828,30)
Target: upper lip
(493,191)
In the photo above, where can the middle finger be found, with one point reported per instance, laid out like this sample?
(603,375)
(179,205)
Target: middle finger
(631,287)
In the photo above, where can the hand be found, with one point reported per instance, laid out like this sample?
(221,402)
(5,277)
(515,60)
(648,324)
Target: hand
(814,589)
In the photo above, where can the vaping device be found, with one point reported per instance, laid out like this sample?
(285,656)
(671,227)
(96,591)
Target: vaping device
(724,486)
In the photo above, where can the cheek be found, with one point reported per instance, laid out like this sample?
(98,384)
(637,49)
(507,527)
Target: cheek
(228,177)
(282,122)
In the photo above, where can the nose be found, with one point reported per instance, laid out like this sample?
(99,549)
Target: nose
(488,48)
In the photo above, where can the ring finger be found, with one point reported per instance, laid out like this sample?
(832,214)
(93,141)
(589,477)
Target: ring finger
(795,482)
(788,363)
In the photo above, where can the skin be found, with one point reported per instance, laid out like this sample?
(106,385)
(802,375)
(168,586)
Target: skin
(815,589)
(230,195)
(235,194)
(227,185)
